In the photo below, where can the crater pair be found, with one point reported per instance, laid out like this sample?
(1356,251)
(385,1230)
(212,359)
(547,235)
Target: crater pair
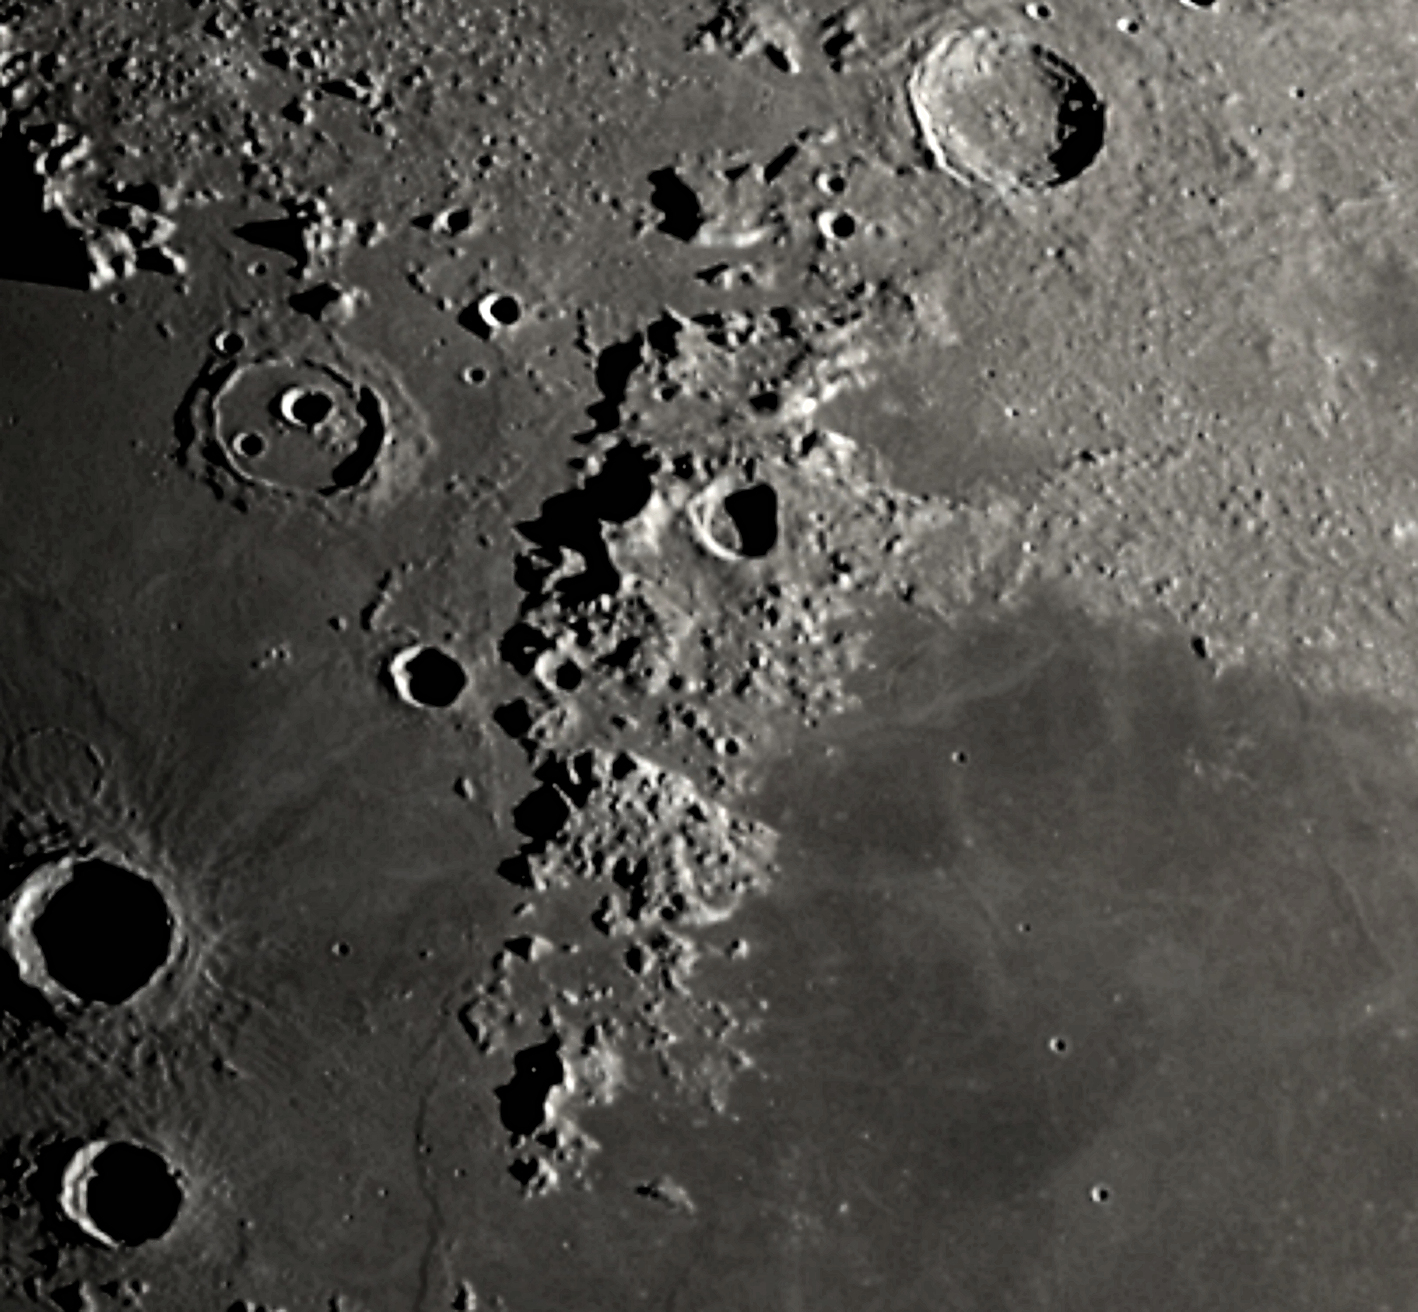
(92,932)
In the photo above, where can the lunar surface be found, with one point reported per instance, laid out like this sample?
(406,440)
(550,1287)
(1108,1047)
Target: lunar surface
(712,656)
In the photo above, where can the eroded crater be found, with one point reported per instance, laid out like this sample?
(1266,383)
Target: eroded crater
(286,407)
(999,109)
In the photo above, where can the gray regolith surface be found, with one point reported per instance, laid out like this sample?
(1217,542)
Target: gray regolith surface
(765,653)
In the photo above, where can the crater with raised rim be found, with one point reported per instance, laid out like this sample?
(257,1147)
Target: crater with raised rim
(295,410)
(90,930)
(120,1194)
(1002,110)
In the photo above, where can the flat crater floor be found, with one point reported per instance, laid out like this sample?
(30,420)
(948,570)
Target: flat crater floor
(711,657)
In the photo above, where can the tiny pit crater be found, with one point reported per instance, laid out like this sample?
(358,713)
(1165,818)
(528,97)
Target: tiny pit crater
(492,313)
(503,311)
(837,225)
(228,342)
(249,445)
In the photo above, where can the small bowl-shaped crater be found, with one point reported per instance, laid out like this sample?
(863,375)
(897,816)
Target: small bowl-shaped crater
(736,525)
(1001,109)
(836,225)
(121,1194)
(427,677)
(305,407)
(498,310)
(104,933)
(753,511)
(249,445)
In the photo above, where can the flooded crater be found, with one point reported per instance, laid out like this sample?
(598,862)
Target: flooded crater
(289,409)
